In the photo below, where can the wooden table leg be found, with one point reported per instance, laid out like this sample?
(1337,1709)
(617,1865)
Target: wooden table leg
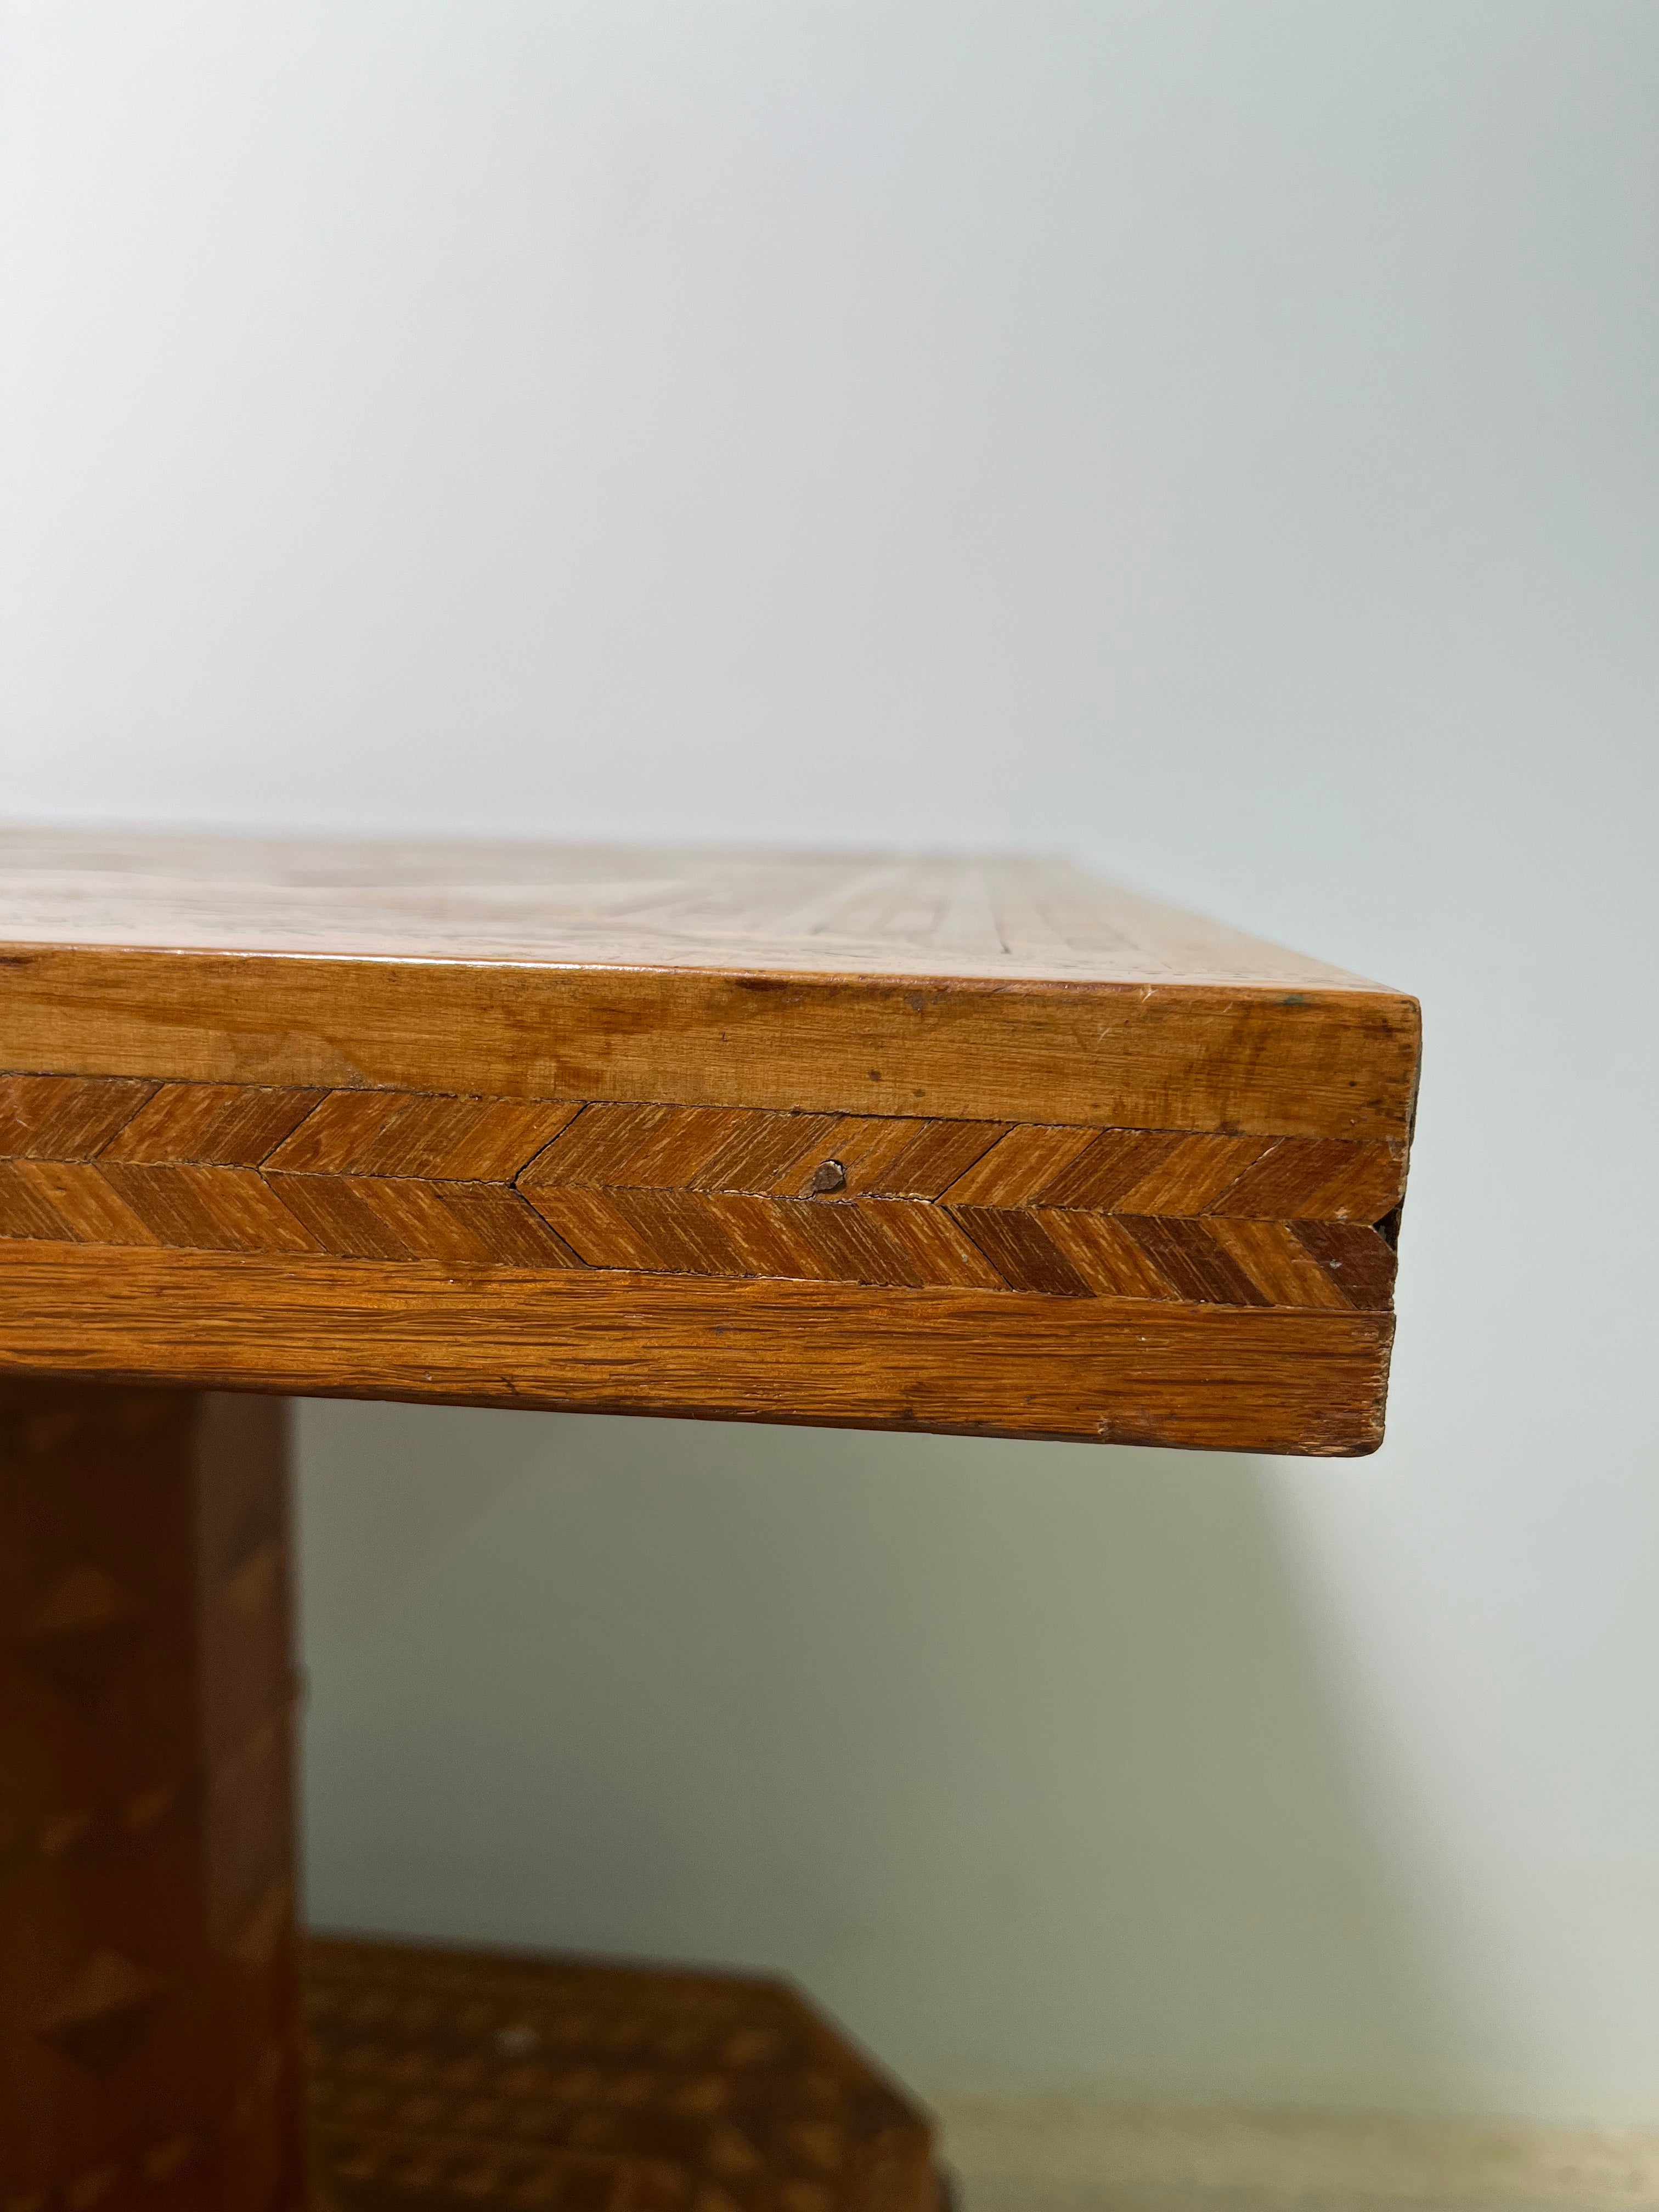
(148,2015)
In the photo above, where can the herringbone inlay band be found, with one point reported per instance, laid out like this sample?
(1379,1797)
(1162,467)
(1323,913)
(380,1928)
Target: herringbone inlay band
(706,1190)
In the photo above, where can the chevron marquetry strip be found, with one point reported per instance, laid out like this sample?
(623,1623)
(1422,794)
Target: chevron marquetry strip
(1168,1172)
(63,1117)
(1060,1212)
(900,1243)
(230,1124)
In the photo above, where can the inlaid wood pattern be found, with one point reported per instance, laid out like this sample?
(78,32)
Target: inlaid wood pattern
(445,2079)
(885,1200)
(1006,918)
(968,1143)
(148,2050)
(972,987)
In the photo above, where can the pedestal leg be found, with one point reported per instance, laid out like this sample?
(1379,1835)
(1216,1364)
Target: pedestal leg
(148,2021)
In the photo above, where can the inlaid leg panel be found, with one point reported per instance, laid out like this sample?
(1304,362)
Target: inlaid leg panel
(149,2050)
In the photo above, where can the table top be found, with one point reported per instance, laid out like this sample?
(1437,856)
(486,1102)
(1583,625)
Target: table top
(1020,1152)
(999,918)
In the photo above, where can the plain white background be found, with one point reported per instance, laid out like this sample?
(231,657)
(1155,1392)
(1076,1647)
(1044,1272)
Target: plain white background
(1216,436)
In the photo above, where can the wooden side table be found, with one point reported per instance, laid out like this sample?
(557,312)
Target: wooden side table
(982,1147)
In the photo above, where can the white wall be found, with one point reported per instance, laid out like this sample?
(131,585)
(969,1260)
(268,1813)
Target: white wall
(1219,437)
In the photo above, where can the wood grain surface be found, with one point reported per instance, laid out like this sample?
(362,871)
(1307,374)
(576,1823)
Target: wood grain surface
(149,2044)
(1002,918)
(682,980)
(983,1363)
(895,1200)
(737,1078)
(443,2077)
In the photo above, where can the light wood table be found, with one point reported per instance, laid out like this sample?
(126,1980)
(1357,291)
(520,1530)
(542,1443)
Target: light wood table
(982,1147)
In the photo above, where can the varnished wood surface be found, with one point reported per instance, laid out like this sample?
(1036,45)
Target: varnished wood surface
(897,1199)
(1006,919)
(448,2078)
(517,1065)
(1312,1063)
(983,1363)
(1118,1013)
(149,2051)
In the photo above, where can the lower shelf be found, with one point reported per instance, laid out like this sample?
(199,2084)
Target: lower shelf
(445,2078)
